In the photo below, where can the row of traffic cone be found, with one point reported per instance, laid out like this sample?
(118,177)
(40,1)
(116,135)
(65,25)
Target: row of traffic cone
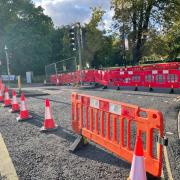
(48,123)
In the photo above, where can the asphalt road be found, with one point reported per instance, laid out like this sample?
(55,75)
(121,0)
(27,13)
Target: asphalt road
(46,156)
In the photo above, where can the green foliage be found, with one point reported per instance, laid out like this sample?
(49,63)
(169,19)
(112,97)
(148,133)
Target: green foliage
(152,27)
(26,32)
(100,49)
(140,17)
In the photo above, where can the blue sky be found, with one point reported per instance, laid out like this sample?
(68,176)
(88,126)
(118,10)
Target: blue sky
(65,12)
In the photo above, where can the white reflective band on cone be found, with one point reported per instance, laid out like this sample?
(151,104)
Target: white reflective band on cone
(14,100)
(130,72)
(23,106)
(114,108)
(121,73)
(138,169)
(94,103)
(48,113)
(6,95)
(165,72)
(154,72)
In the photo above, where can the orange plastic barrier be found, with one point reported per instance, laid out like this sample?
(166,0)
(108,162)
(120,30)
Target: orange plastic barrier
(164,75)
(114,125)
(102,77)
(162,78)
(126,78)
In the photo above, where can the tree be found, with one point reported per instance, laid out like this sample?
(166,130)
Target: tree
(93,37)
(26,31)
(138,16)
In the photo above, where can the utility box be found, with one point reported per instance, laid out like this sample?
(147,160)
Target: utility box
(29,77)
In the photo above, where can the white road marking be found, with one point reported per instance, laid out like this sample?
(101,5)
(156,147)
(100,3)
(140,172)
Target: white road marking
(168,167)
(6,166)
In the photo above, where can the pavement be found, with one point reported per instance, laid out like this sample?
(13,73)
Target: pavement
(37,156)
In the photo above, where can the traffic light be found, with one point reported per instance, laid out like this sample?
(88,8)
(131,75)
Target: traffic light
(72,36)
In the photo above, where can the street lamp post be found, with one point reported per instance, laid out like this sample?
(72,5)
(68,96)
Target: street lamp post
(7,60)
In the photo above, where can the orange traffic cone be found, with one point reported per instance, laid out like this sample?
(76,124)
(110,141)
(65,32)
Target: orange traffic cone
(15,105)
(7,100)
(1,95)
(2,87)
(138,171)
(24,114)
(57,82)
(1,83)
(49,123)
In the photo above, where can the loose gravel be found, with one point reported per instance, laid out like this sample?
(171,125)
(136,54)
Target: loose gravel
(39,156)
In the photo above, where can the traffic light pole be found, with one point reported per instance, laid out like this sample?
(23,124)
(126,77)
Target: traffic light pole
(79,39)
(7,60)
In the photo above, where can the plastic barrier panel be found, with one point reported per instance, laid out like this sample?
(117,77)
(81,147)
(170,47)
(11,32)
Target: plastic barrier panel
(162,78)
(172,65)
(53,79)
(88,76)
(126,78)
(115,125)
(164,75)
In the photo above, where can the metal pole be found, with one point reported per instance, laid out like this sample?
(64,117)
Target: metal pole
(124,48)
(46,73)
(56,73)
(79,49)
(75,63)
(7,60)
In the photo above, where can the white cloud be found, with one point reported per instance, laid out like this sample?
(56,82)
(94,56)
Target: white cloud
(65,12)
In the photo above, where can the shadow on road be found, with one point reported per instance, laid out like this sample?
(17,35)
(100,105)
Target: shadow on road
(91,151)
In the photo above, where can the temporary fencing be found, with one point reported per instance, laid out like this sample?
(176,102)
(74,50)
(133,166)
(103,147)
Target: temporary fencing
(55,69)
(126,78)
(162,78)
(88,76)
(102,77)
(165,75)
(114,125)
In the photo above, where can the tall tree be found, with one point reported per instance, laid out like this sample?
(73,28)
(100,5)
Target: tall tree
(26,32)
(94,37)
(138,16)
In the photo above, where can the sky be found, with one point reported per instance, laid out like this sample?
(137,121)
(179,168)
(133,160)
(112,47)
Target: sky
(64,12)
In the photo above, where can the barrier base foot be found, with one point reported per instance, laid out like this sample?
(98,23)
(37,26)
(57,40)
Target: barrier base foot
(136,89)
(43,129)
(105,87)
(150,89)
(118,88)
(171,91)
(96,85)
(80,141)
